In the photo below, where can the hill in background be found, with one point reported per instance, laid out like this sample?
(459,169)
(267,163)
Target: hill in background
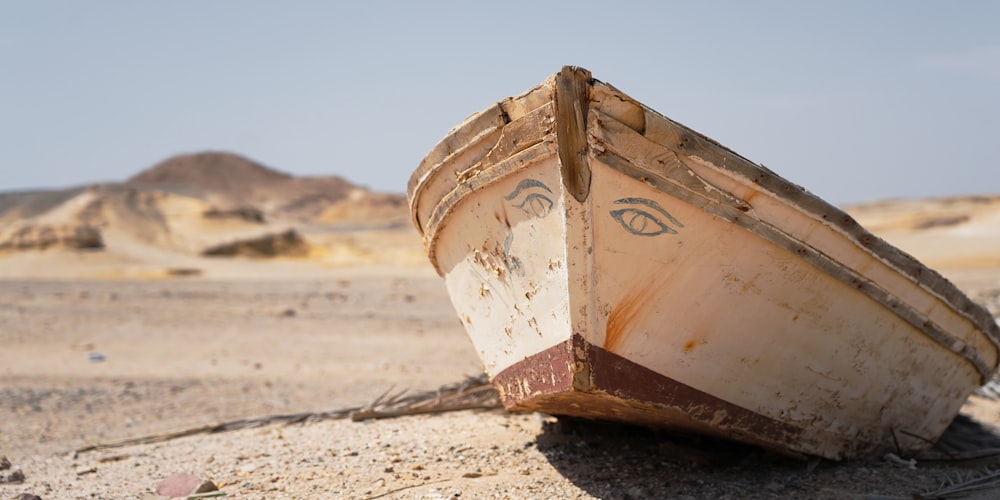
(192,208)
(232,181)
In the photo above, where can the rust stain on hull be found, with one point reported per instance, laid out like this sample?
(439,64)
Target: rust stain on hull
(622,318)
(690,345)
(619,321)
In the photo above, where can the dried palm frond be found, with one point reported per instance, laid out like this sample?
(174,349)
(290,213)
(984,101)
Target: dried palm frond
(964,484)
(472,393)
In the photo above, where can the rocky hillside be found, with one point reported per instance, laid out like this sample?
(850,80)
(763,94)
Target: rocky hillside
(210,204)
(234,182)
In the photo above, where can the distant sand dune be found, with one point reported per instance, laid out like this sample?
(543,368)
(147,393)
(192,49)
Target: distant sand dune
(946,233)
(191,214)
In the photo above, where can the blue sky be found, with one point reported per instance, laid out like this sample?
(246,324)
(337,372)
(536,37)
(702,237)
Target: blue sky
(856,101)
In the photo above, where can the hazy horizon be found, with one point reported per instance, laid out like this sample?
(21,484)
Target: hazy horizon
(854,101)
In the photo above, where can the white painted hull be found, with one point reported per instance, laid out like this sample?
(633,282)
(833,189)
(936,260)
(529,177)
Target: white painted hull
(658,278)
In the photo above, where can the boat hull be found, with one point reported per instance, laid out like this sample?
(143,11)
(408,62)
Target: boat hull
(610,263)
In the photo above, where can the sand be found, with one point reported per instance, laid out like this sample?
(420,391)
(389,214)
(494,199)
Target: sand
(146,336)
(90,361)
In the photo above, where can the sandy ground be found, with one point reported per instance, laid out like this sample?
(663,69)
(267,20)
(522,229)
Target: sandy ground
(88,361)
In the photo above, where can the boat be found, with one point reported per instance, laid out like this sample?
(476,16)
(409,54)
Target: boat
(610,263)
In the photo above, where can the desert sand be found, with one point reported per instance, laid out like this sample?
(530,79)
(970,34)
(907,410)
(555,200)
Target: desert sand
(146,333)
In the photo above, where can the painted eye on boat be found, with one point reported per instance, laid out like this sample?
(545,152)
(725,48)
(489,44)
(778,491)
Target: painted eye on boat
(641,222)
(536,205)
(535,202)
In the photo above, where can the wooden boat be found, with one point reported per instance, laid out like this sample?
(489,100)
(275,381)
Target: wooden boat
(608,262)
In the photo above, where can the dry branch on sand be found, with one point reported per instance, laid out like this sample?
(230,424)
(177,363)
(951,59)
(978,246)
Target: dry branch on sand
(964,485)
(469,394)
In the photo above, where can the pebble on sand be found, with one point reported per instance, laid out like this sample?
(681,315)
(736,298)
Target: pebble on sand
(182,484)
(8,473)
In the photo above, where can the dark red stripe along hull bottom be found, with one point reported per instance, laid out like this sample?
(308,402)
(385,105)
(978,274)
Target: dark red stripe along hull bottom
(576,378)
